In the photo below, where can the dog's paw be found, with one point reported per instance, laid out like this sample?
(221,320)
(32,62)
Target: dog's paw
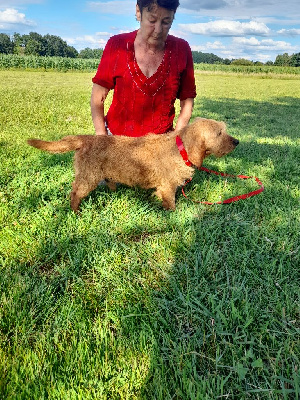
(111,185)
(168,205)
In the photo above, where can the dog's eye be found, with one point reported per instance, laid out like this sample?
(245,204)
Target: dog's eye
(219,133)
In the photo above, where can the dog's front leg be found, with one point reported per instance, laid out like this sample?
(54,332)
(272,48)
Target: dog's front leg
(167,195)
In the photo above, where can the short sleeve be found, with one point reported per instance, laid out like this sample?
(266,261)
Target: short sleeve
(187,88)
(104,74)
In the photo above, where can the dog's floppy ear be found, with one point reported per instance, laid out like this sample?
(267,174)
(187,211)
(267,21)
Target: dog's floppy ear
(194,144)
(197,153)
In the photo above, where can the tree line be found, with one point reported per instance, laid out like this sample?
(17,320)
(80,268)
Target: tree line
(51,45)
(39,45)
(282,60)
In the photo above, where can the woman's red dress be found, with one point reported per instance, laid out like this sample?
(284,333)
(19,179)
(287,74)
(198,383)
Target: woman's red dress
(141,105)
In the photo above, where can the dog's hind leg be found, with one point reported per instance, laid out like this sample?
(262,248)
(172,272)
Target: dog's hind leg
(80,190)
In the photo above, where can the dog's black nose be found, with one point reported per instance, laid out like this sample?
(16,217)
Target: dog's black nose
(236,142)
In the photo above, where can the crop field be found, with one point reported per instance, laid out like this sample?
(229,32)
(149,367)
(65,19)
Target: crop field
(128,301)
(18,62)
(21,62)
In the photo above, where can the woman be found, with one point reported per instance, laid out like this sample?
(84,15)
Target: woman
(148,69)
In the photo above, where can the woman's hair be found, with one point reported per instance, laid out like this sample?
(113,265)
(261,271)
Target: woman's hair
(171,5)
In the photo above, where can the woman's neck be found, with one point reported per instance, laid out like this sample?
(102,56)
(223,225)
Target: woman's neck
(150,48)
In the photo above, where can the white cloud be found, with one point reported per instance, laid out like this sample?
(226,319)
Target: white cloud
(266,44)
(96,41)
(276,20)
(103,34)
(209,46)
(202,4)
(15,3)
(241,9)
(263,57)
(289,32)
(227,28)
(215,45)
(114,7)
(11,17)
(249,48)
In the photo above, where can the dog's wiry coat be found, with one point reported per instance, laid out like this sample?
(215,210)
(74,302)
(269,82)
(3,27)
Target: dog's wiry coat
(151,161)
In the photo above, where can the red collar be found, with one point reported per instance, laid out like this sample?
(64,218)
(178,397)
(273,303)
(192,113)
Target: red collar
(183,151)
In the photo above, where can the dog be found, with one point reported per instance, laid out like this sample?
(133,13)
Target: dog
(151,161)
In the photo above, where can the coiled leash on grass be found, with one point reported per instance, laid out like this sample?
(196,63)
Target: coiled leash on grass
(231,199)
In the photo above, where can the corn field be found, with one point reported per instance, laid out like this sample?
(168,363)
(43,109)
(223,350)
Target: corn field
(249,69)
(12,61)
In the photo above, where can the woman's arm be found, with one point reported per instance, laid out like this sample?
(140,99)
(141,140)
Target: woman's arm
(186,109)
(98,97)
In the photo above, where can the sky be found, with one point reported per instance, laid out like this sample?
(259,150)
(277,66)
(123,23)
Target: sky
(257,30)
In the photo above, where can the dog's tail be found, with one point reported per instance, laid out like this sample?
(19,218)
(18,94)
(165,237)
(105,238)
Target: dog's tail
(68,143)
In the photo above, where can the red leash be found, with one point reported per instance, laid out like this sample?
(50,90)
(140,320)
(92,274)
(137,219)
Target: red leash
(184,155)
(231,199)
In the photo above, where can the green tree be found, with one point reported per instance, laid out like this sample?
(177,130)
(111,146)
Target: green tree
(6,45)
(86,53)
(207,58)
(71,52)
(91,53)
(56,46)
(295,60)
(242,61)
(48,45)
(283,60)
(19,45)
(34,44)
(33,47)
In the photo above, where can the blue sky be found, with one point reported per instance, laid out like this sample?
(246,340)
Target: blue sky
(252,29)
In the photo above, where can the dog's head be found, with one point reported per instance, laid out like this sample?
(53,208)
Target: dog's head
(207,136)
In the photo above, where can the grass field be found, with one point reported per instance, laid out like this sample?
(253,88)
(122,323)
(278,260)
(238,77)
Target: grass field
(127,301)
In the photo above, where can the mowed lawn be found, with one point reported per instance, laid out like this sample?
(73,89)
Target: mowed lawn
(128,301)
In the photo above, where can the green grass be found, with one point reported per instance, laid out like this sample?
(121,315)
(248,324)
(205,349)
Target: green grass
(128,301)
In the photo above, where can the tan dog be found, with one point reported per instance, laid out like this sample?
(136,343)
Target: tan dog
(151,161)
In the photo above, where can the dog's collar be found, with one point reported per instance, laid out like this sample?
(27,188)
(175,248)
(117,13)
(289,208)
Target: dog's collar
(182,151)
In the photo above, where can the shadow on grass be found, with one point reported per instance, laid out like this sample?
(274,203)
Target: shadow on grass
(220,324)
(139,303)
(223,319)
